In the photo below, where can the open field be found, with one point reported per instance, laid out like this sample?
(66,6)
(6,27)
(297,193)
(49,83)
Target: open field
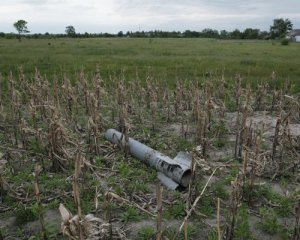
(171,94)
(166,59)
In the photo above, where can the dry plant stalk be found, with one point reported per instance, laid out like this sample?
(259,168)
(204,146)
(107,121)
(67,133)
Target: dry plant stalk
(186,230)
(57,138)
(3,183)
(234,205)
(178,98)
(261,92)
(276,138)
(92,228)
(238,92)
(94,133)
(276,101)
(194,205)
(79,162)
(254,168)
(125,128)
(153,106)
(37,171)
(133,204)
(242,131)
(218,219)
(159,190)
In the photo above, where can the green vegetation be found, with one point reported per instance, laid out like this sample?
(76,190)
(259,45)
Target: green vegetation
(24,215)
(269,222)
(131,215)
(242,229)
(166,59)
(145,233)
(185,88)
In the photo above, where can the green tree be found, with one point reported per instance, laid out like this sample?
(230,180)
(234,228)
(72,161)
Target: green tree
(70,31)
(250,33)
(280,27)
(21,27)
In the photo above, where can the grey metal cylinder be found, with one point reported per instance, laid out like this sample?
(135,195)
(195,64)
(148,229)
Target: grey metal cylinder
(178,171)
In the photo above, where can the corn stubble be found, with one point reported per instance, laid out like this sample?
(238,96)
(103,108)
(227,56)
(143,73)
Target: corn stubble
(60,123)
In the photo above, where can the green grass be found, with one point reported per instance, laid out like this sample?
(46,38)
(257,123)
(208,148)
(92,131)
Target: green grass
(167,59)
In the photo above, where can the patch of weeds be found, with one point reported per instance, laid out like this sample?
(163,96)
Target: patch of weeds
(248,62)
(191,230)
(267,192)
(230,103)
(220,191)
(219,131)
(69,204)
(124,170)
(35,146)
(283,182)
(183,145)
(285,208)
(206,206)
(53,204)
(118,189)
(176,210)
(25,215)
(232,175)
(212,234)
(55,183)
(269,223)
(286,234)
(22,176)
(242,230)
(131,214)
(220,143)
(141,187)
(145,233)
(254,192)
(100,162)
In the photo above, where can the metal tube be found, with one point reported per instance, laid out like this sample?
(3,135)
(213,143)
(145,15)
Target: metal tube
(178,171)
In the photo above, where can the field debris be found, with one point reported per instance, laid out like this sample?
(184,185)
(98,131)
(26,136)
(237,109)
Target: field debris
(173,173)
(91,226)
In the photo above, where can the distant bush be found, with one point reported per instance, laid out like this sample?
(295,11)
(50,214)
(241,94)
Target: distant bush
(285,42)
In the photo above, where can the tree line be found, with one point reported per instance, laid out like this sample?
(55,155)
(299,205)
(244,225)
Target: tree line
(278,30)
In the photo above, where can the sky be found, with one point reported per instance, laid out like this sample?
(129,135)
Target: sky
(95,16)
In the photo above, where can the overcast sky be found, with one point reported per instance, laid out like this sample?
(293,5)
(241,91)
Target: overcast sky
(95,16)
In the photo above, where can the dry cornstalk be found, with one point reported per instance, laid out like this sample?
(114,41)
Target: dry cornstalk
(234,205)
(159,190)
(37,171)
(218,219)
(238,91)
(241,126)
(255,164)
(260,97)
(91,228)
(186,230)
(125,128)
(76,189)
(133,204)
(276,138)
(57,139)
(194,205)
(178,94)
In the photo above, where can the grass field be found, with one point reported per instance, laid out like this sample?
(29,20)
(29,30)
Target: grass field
(166,59)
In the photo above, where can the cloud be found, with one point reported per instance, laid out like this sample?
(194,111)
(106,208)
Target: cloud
(115,15)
